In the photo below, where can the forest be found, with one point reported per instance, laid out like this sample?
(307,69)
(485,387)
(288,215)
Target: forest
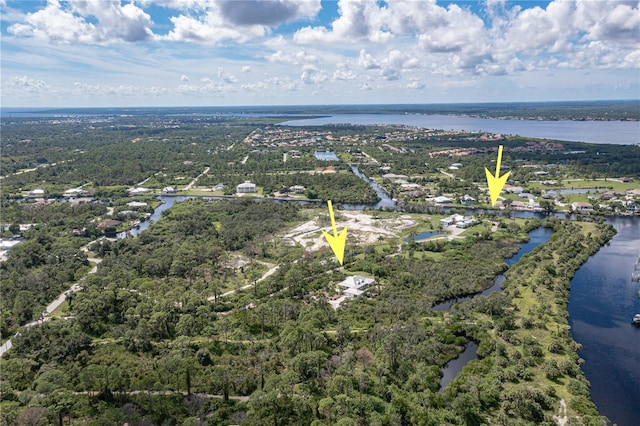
(217,314)
(159,336)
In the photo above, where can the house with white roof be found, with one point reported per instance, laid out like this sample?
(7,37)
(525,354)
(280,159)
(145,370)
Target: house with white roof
(355,285)
(246,188)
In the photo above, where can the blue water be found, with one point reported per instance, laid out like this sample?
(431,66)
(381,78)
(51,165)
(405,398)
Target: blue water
(609,132)
(421,236)
(536,237)
(602,301)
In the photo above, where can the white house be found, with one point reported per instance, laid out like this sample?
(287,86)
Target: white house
(168,190)
(442,200)
(138,191)
(467,200)
(452,220)
(246,187)
(355,285)
(36,193)
(581,207)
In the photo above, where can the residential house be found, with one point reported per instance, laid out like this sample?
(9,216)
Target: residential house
(442,200)
(355,285)
(581,207)
(452,220)
(246,187)
(138,191)
(297,189)
(109,223)
(36,193)
(467,200)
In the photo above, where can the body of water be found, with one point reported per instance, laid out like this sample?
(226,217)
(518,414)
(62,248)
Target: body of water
(386,202)
(453,367)
(422,236)
(536,237)
(602,301)
(609,132)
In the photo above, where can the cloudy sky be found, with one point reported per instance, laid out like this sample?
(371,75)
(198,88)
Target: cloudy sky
(268,52)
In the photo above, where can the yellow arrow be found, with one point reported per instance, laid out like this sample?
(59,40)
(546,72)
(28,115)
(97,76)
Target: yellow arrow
(336,241)
(496,183)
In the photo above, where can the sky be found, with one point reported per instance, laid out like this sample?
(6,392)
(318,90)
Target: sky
(98,53)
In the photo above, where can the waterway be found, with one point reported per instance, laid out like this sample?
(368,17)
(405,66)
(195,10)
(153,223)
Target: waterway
(385,202)
(602,301)
(536,237)
(608,132)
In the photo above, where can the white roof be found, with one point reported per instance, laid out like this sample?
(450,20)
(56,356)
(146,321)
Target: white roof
(353,291)
(442,199)
(356,281)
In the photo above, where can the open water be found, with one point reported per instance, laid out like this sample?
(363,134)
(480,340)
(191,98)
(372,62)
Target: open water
(602,301)
(609,132)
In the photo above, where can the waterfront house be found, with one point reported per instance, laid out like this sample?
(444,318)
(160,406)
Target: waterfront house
(467,200)
(297,189)
(246,187)
(581,207)
(36,193)
(442,200)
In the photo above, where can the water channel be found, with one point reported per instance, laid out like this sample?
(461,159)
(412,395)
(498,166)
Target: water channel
(452,368)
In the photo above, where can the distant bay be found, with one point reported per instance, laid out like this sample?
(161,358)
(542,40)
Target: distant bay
(607,132)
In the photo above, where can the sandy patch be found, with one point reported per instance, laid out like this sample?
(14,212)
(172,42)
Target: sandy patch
(362,228)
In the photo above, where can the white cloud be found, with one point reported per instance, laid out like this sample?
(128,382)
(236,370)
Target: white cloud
(184,78)
(366,61)
(312,75)
(58,24)
(415,85)
(299,58)
(28,84)
(246,68)
(343,72)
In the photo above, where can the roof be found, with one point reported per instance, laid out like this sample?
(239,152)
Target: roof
(356,282)
(442,199)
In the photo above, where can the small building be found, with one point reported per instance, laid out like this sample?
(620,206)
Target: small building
(526,195)
(168,190)
(219,187)
(467,200)
(581,207)
(246,188)
(36,193)
(138,191)
(297,189)
(513,189)
(109,223)
(442,200)
(137,204)
(625,179)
